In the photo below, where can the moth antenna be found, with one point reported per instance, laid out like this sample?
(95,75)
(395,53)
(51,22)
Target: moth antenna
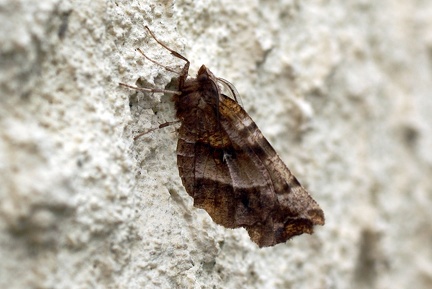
(156,128)
(155,62)
(231,88)
(150,89)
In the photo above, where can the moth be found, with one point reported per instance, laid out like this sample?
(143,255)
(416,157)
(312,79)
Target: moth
(228,167)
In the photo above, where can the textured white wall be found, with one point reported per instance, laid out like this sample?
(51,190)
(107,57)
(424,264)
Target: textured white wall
(342,89)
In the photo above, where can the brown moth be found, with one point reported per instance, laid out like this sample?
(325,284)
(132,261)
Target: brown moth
(229,168)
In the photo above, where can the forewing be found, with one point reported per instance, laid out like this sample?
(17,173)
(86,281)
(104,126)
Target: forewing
(292,211)
(232,172)
(234,193)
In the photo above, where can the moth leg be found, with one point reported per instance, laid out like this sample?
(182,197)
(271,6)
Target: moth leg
(185,70)
(155,62)
(150,89)
(156,128)
(175,53)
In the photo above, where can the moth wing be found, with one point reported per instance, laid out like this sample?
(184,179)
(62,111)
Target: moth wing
(225,181)
(291,211)
(237,177)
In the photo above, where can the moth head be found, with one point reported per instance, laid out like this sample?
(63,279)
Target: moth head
(208,84)
(204,73)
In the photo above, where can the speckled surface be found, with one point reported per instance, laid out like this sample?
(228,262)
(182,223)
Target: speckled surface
(342,91)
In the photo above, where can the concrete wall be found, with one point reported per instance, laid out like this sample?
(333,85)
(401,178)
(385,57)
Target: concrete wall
(342,89)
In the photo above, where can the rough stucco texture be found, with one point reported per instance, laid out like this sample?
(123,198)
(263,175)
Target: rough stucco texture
(342,89)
